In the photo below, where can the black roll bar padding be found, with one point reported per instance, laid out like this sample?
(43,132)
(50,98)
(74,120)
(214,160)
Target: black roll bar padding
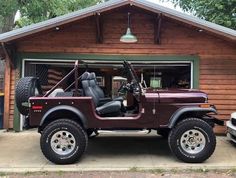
(133,74)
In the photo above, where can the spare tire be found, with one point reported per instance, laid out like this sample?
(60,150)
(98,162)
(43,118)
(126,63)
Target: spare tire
(26,88)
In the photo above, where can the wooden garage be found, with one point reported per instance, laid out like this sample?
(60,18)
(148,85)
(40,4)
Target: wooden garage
(172,41)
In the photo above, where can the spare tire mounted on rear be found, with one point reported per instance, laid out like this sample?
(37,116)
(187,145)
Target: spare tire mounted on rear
(26,88)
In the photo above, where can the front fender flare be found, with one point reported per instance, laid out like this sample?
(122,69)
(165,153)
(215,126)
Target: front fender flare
(74,110)
(174,118)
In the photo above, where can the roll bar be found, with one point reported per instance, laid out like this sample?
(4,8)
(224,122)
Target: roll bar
(73,71)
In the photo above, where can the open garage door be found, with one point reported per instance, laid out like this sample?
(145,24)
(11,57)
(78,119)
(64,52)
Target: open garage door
(157,74)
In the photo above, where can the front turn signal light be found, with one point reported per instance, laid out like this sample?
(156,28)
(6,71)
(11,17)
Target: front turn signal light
(205,106)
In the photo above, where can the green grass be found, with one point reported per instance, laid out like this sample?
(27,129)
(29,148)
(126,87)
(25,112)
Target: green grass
(133,169)
(3,174)
(176,171)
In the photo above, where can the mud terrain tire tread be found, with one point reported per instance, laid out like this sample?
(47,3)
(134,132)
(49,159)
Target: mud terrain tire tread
(187,124)
(25,88)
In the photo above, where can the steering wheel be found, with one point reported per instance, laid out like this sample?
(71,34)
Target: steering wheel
(130,87)
(134,87)
(123,88)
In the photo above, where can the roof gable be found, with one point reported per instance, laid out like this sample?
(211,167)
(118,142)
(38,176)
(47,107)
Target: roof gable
(112,4)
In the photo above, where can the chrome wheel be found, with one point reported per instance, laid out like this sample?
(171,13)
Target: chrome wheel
(193,141)
(63,142)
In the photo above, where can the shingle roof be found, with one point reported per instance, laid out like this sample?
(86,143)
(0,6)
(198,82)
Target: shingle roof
(112,4)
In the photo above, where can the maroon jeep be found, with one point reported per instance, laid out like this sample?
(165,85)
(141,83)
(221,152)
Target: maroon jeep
(67,117)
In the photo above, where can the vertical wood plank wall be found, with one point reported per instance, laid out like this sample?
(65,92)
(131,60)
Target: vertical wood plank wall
(217,56)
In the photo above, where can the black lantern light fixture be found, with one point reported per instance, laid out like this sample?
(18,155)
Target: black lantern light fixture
(128,37)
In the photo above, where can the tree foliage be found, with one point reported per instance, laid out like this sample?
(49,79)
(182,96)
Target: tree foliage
(33,11)
(222,12)
(8,9)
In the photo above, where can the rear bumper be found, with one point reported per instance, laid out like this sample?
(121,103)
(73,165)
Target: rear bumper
(231,131)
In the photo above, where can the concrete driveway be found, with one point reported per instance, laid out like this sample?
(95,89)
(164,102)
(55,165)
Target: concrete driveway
(20,152)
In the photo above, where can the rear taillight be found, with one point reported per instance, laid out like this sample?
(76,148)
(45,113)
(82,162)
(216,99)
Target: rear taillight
(37,107)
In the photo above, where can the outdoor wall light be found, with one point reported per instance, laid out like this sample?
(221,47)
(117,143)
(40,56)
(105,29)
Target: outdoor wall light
(128,37)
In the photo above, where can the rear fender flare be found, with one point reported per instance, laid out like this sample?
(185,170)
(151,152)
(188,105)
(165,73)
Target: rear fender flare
(175,117)
(78,113)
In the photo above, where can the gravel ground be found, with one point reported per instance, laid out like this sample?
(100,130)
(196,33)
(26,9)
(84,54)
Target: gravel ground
(127,174)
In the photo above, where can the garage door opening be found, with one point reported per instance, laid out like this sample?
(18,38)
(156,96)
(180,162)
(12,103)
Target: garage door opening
(166,76)
(158,75)
(110,75)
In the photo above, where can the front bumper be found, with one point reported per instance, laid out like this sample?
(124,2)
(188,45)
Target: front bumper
(231,131)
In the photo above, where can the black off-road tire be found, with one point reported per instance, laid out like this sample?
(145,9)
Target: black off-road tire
(25,89)
(92,133)
(79,134)
(89,132)
(192,124)
(163,132)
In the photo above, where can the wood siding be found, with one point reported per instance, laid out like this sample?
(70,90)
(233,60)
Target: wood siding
(12,99)
(9,95)
(217,56)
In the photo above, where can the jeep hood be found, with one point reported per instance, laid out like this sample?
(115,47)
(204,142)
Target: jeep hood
(177,96)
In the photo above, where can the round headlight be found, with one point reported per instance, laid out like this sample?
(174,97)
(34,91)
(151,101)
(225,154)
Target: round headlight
(233,115)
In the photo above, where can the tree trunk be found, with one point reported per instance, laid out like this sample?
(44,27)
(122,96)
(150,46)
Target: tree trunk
(8,23)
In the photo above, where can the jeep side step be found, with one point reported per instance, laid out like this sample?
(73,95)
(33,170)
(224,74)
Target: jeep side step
(124,132)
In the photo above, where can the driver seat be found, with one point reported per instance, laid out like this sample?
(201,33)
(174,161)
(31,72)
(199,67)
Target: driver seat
(99,92)
(112,108)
